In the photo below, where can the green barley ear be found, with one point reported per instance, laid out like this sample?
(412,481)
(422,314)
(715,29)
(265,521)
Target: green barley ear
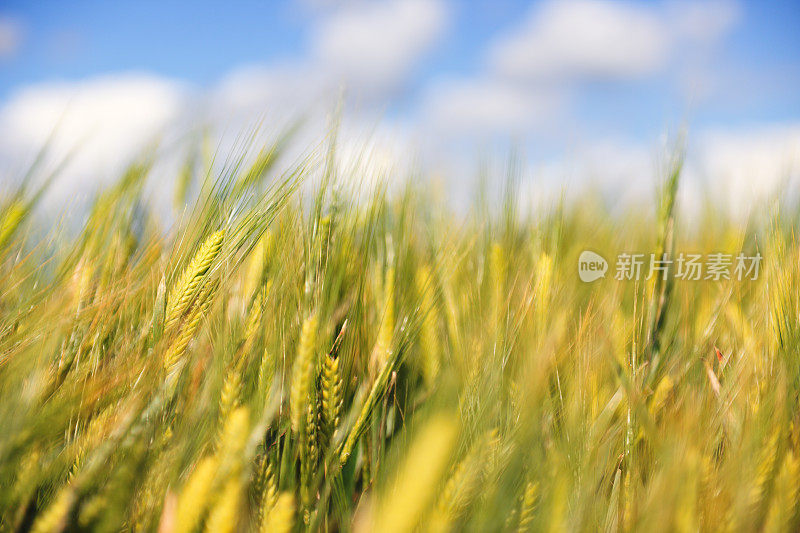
(332,401)
(281,518)
(383,344)
(267,489)
(662,288)
(375,394)
(185,290)
(254,270)
(159,313)
(13,216)
(461,488)
(331,385)
(429,343)
(303,372)
(309,453)
(266,371)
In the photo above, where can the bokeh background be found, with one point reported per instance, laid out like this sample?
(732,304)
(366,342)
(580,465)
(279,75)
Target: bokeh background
(583,93)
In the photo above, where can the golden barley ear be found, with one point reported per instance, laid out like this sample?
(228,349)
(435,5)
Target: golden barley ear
(232,442)
(280,519)
(253,326)
(173,358)
(186,289)
(224,516)
(403,503)
(462,486)
(530,498)
(55,517)
(196,495)
(303,372)
(230,395)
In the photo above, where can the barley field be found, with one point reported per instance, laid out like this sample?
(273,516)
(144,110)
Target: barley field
(288,354)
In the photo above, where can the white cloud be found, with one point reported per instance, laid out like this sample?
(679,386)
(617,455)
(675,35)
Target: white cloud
(373,46)
(737,169)
(703,23)
(741,167)
(583,38)
(105,121)
(588,39)
(280,91)
(11,34)
(485,108)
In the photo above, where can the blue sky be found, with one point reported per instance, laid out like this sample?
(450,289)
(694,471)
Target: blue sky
(551,75)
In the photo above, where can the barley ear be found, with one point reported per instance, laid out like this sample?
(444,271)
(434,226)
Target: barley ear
(224,515)
(529,500)
(280,519)
(267,489)
(159,313)
(230,395)
(331,385)
(56,516)
(303,372)
(173,359)
(195,496)
(185,290)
